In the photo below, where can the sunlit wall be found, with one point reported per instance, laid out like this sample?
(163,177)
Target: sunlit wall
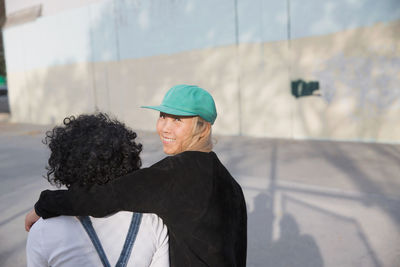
(82,56)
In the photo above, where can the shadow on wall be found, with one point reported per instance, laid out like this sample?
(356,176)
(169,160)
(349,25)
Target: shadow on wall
(130,66)
(367,76)
(358,73)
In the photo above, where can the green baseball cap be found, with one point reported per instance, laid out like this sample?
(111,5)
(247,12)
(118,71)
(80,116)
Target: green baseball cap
(188,100)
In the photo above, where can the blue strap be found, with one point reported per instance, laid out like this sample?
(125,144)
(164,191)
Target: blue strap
(129,241)
(87,224)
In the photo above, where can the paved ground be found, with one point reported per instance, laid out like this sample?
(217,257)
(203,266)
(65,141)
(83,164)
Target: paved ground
(4,106)
(310,203)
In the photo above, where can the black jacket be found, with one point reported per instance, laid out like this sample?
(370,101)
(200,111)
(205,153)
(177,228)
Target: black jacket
(199,201)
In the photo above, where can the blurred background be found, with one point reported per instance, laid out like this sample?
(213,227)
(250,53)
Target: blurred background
(307,92)
(301,69)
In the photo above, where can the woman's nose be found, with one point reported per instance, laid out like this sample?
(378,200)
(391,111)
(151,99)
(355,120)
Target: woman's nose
(167,125)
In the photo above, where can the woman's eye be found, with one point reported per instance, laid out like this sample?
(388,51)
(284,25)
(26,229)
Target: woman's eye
(177,119)
(162,116)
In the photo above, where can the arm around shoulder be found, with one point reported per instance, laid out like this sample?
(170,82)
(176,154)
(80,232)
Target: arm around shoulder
(141,191)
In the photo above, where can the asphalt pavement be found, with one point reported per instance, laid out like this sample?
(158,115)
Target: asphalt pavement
(310,203)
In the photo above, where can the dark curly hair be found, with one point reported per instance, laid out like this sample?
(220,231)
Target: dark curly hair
(91,149)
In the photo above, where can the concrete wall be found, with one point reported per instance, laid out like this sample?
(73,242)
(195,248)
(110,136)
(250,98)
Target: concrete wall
(118,55)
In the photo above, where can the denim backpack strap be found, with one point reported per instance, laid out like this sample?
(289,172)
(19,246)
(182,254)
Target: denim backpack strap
(87,224)
(130,240)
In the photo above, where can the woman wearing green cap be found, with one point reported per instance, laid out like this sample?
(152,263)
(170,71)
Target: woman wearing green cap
(194,194)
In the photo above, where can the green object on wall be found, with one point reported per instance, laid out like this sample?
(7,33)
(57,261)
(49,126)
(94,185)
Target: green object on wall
(301,88)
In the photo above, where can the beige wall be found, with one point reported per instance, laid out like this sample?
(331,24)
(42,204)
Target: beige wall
(358,71)
(48,95)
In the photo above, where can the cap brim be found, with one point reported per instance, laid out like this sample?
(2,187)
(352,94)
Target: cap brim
(172,111)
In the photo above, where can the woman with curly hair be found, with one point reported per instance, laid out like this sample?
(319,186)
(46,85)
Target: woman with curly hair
(200,202)
(91,149)
(86,151)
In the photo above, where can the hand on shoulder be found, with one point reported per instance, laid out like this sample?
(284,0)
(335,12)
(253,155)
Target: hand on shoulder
(30,219)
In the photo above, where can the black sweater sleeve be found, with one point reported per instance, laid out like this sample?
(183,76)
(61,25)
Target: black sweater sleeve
(172,187)
(140,191)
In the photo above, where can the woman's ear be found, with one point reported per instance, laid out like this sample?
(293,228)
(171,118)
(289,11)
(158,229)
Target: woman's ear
(206,130)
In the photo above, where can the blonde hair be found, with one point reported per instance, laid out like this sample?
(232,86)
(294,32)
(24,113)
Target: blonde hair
(201,139)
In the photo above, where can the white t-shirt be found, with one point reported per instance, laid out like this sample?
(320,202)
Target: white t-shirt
(62,241)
